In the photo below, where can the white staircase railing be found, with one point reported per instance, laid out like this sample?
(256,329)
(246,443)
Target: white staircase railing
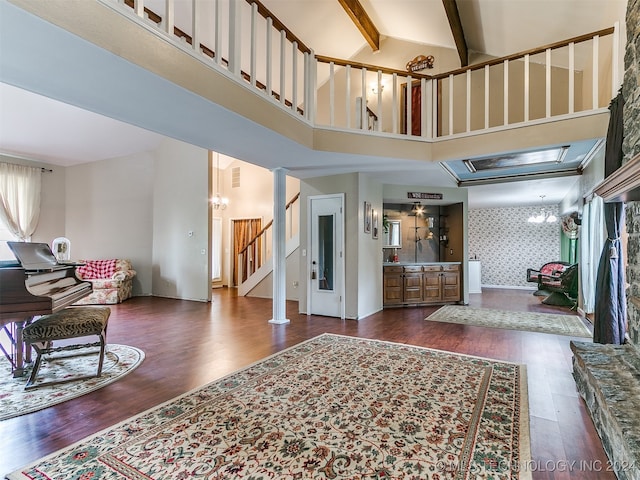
(256,254)
(243,39)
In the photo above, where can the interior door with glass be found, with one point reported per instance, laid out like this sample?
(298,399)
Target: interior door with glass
(326,262)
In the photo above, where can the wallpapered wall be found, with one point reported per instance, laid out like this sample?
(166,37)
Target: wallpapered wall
(506,244)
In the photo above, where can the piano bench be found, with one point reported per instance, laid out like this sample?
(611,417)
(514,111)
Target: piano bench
(74,322)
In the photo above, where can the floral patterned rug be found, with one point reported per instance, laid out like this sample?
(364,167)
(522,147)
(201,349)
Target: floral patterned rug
(14,400)
(570,325)
(332,407)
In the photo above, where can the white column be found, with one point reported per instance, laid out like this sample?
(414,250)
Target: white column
(279,246)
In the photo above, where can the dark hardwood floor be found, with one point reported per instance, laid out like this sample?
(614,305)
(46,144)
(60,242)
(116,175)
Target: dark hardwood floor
(188,344)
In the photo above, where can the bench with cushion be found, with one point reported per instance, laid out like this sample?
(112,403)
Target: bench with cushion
(73,322)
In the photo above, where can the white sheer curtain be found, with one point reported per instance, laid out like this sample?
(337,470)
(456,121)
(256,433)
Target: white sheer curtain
(20,198)
(592,237)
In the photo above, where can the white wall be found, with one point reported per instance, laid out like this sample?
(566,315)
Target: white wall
(180,206)
(109,206)
(369,250)
(506,244)
(347,184)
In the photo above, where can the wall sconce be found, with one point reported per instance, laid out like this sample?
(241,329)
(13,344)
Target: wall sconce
(374,88)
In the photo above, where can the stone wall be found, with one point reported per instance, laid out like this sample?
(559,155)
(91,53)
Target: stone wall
(630,148)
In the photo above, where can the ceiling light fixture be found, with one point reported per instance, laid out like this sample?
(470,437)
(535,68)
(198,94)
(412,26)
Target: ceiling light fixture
(543,216)
(219,202)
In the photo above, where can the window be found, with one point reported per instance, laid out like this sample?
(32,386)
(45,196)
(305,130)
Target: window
(6,235)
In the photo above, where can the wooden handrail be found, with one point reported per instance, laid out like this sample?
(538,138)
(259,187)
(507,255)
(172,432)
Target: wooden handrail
(154,17)
(495,61)
(265,12)
(266,227)
(373,68)
(533,51)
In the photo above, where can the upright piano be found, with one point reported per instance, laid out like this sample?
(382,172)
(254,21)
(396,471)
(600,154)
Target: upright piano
(25,294)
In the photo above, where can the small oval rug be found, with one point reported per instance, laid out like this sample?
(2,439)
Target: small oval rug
(119,360)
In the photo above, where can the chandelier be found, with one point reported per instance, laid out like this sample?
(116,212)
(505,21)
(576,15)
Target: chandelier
(543,216)
(218,201)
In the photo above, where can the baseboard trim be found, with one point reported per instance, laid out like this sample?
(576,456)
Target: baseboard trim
(510,287)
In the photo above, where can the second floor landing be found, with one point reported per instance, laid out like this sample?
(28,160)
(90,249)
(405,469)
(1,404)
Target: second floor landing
(86,54)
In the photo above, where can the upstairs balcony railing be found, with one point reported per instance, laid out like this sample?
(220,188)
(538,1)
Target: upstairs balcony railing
(243,39)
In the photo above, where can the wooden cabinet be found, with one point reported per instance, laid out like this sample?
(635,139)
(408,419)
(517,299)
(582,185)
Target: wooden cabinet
(392,285)
(412,292)
(421,284)
(450,283)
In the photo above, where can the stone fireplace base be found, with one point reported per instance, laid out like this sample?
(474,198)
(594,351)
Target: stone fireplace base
(608,378)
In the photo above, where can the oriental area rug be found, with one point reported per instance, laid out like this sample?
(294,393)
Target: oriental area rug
(119,360)
(570,325)
(332,407)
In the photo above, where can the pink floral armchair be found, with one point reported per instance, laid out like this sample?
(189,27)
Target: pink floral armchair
(111,280)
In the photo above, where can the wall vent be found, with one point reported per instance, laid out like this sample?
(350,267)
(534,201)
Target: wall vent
(235,177)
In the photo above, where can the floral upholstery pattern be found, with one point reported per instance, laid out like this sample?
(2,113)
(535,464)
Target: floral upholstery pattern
(111,290)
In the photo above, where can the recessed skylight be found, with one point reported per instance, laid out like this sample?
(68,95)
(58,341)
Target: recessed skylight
(519,159)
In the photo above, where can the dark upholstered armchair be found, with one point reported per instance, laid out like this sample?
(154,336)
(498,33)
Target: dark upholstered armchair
(564,290)
(549,272)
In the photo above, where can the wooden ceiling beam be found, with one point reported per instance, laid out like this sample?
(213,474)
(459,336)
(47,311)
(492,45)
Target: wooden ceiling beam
(364,23)
(455,24)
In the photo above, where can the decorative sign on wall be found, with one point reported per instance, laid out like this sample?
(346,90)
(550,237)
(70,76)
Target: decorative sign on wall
(424,196)
(420,63)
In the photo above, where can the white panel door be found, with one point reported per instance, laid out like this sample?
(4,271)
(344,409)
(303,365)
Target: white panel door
(326,260)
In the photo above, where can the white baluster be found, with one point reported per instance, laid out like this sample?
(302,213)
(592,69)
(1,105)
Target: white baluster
(379,107)
(235,35)
(548,83)
(526,87)
(468,100)
(348,94)
(432,107)
(169,16)
(269,56)
(364,115)
(505,92)
(218,35)
(408,112)
(450,104)
(254,48)
(486,96)
(572,79)
(596,68)
(283,63)
(615,60)
(294,80)
(195,36)
(394,102)
(332,92)
(424,112)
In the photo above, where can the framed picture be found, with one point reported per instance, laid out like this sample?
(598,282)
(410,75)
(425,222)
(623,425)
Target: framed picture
(374,224)
(367,217)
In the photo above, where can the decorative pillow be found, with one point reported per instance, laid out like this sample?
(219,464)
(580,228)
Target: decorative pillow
(97,269)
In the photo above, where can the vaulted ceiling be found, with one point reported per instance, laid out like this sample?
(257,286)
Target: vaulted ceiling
(39,128)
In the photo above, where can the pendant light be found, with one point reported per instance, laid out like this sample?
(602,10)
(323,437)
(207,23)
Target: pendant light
(219,202)
(543,216)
